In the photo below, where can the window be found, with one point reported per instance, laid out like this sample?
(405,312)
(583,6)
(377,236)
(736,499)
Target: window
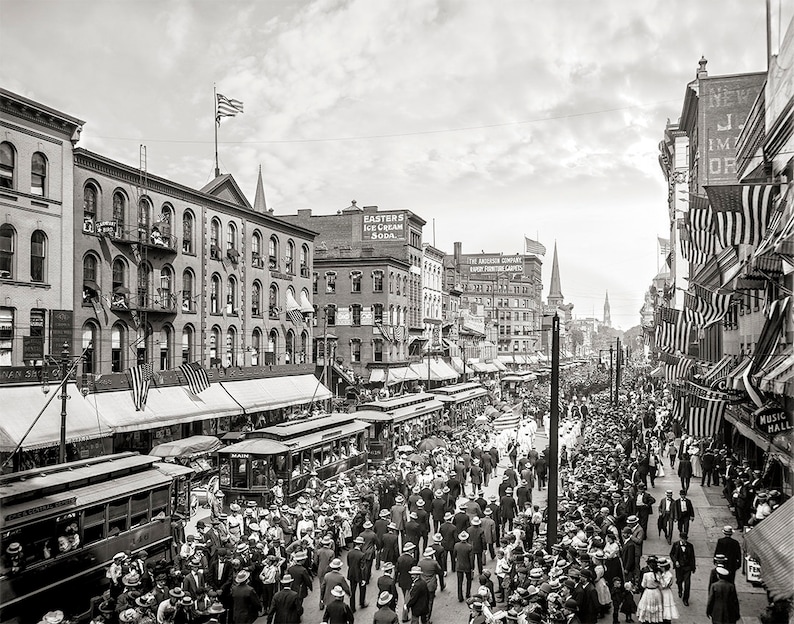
(144,284)
(330,315)
(119,284)
(166,288)
(37,323)
(272,347)
(38,174)
(90,348)
(90,283)
(117,340)
(37,256)
(164,223)
(6,335)
(187,291)
(215,294)
(215,338)
(315,281)
(119,212)
(272,301)
(377,313)
(187,232)
(256,251)
(256,299)
(231,238)
(330,283)
(377,281)
(304,260)
(231,347)
(272,253)
(355,350)
(289,260)
(187,344)
(7,165)
(355,312)
(391,282)
(231,296)
(90,197)
(289,347)
(377,348)
(355,282)
(304,346)
(215,239)
(144,219)
(256,347)
(166,346)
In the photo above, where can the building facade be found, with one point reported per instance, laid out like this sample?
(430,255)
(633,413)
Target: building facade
(432,296)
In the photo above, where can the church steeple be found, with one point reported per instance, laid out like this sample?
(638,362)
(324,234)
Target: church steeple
(260,205)
(555,297)
(607,316)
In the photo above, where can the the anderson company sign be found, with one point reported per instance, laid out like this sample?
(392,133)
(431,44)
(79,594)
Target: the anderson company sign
(495,264)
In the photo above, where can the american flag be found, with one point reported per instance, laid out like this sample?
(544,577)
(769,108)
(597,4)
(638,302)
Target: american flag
(676,368)
(742,211)
(295,316)
(384,331)
(140,376)
(672,331)
(195,375)
(705,416)
(227,107)
(534,247)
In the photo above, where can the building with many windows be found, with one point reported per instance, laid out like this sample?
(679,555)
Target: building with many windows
(432,297)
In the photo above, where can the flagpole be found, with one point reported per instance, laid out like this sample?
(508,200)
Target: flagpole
(215,123)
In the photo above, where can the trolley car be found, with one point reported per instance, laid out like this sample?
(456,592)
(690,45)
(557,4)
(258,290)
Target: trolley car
(61,525)
(463,402)
(327,445)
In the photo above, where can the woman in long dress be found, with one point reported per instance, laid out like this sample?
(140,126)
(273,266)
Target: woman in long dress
(666,581)
(650,610)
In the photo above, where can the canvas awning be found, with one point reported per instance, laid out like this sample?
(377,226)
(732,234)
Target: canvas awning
(746,431)
(520,359)
(400,374)
(258,395)
(439,370)
(734,377)
(194,445)
(775,380)
(23,404)
(771,542)
(499,365)
(457,364)
(505,359)
(165,406)
(718,371)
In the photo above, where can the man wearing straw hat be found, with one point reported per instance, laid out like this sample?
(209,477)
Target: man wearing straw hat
(337,612)
(286,607)
(245,600)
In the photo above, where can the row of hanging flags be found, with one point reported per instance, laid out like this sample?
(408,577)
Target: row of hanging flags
(392,333)
(141,376)
(728,216)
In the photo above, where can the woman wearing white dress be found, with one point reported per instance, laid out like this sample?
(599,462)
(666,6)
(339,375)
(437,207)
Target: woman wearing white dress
(666,582)
(651,606)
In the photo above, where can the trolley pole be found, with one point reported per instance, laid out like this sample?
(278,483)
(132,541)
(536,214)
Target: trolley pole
(64,397)
(554,426)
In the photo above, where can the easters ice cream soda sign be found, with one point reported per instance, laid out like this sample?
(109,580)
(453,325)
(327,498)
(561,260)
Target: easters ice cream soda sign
(384,226)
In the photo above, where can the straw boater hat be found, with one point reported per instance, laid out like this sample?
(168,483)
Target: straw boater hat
(338,592)
(242,576)
(286,579)
(336,564)
(415,570)
(384,598)
(463,536)
(410,546)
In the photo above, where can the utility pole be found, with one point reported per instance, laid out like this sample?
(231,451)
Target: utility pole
(611,348)
(65,361)
(619,354)
(554,425)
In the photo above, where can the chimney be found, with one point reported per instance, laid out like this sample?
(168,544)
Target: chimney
(457,251)
(702,73)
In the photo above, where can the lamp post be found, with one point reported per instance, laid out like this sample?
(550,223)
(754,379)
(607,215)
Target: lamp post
(551,537)
(618,363)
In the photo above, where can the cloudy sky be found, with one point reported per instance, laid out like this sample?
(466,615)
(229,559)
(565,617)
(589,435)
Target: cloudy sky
(493,119)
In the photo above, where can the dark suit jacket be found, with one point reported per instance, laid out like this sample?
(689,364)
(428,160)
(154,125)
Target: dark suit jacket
(732,550)
(683,557)
(286,608)
(464,557)
(678,514)
(391,547)
(302,581)
(418,598)
(355,565)
(245,604)
(723,603)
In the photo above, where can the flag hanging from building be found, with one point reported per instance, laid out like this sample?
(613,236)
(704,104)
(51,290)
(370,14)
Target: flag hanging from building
(676,368)
(705,416)
(741,211)
(672,331)
(295,316)
(227,107)
(140,376)
(534,247)
(664,246)
(711,304)
(399,333)
(384,331)
(195,375)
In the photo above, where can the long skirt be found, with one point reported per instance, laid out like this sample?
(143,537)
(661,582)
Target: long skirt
(651,606)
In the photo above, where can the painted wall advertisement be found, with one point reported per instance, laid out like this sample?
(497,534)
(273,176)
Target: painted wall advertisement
(388,226)
(495,264)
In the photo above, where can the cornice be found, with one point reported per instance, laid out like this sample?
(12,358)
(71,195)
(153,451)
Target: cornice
(41,115)
(29,132)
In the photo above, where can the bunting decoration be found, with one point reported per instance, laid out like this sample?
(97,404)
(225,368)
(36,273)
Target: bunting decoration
(295,316)
(140,376)
(713,306)
(672,331)
(385,331)
(676,368)
(195,375)
(741,211)
(399,333)
(705,416)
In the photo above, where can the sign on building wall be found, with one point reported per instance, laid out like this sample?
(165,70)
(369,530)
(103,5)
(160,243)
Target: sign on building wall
(495,264)
(61,328)
(387,226)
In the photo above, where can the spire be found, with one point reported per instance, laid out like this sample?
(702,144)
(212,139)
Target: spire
(607,315)
(555,290)
(260,205)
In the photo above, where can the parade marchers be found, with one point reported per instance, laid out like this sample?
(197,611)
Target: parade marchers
(402,534)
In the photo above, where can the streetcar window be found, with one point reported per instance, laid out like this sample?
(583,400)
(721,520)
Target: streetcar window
(160,499)
(239,473)
(327,454)
(94,524)
(317,457)
(139,509)
(280,463)
(225,471)
(259,472)
(118,516)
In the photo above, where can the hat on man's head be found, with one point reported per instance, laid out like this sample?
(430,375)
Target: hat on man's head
(463,536)
(338,592)
(242,576)
(727,529)
(336,564)
(384,598)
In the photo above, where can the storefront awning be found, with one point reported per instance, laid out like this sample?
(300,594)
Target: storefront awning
(400,374)
(25,402)
(439,370)
(484,367)
(499,365)
(505,359)
(457,364)
(734,377)
(746,431)
(258,395)
(377,375)
(520,359)
(771,542)
(775,380)
(718,371)
(165,406)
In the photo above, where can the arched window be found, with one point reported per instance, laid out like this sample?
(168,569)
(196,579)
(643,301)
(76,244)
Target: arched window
(91,288)
(256,347)
(405,285)
(144,285)
(215,294)
(231,347)
(90,347)
(272,301)
(231,296)
(38,174)
(391,282)
(330,282)
(377,281)
(187,232)
(118,298)
(355,350)
(256,299)
(166,291)
(187,291)
(118,347)
(304,346)
(215,239)
(272,347)
(256,251)
(90,203)
(355,281)
(187,344)
(38,256)
(289,259)
(304,260)
(272,253)
(144,219)
(8,161)
(119,212)
(165,221)
(289,347)
(355,314)
(231,236)
(166,346)
(377,313)
(215,338)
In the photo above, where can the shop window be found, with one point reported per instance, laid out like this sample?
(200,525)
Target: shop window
(6,335)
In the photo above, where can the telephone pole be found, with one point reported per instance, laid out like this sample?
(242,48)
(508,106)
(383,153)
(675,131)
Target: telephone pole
(554,426)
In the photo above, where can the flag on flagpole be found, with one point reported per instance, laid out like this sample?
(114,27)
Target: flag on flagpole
(534,247)
(140,376)
(195,375)
(664,246)
(227,107)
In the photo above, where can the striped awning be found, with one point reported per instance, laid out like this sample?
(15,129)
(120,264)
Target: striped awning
(718,371)
(771,542)
(734,377)
(499,365)
(779,377)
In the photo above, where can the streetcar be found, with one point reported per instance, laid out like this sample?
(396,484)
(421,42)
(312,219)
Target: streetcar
(400,421)
(61,525)
(463,402)
(321,447)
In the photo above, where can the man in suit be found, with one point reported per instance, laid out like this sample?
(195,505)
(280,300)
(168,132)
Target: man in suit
(707,461)
(723,603)
(387,583)
(682,554)
(477,541)
(245,600)
(356,574)
(541,468)
(464,564)
(449,535)
(732,551)
(589,606)
(390,545)
(418,598)
(405,562)
(286,607)
(302,580)
(438,507)
(194,580)
(683,512)
(332,578)
(570,608)
(508,509)
(369,547)
(523,494)
(337,612)
(666,514)
(432,575)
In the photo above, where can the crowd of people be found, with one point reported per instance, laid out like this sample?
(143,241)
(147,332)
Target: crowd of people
(398,535)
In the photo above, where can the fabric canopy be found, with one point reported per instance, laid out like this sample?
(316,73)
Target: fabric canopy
(774,380)
(505,359)
(439,370)
(194,445)
(457,364)
(772,543)
(23,404)
(499,365)
(256,395)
